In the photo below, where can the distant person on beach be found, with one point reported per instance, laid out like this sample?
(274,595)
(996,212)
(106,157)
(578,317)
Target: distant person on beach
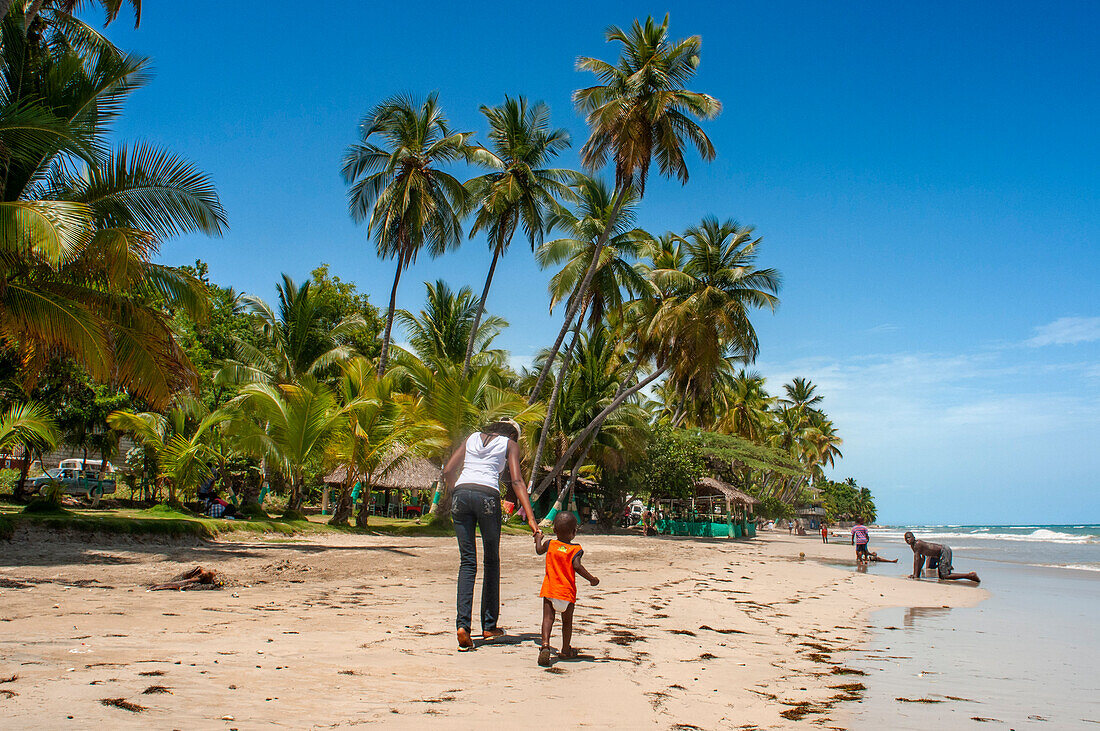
(875,557)
(939,558)
(824,533)
(860,538)
(472,475)
(559,585)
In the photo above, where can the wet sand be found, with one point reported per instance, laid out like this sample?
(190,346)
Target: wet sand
(1027,658)
(355,630)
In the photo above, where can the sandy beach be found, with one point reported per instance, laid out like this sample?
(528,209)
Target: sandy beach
(349,630)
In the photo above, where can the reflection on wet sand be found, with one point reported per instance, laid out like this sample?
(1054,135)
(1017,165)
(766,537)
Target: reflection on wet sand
(912,614)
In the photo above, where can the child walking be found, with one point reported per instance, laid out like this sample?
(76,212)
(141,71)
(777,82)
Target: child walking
(559,587)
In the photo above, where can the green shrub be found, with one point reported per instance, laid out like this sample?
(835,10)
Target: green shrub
(8,480)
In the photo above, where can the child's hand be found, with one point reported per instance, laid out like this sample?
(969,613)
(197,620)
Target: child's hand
(594,581)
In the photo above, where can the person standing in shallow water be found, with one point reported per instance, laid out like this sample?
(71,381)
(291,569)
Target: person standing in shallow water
(472,477)
(939,558)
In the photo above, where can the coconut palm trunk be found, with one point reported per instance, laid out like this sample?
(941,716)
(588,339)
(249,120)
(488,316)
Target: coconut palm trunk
(480,312)
(389,317)
(569,491)
(536,461)
(582,293)
(596,423)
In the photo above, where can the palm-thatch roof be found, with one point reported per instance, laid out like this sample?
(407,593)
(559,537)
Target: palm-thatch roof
(713,485)
(412,473)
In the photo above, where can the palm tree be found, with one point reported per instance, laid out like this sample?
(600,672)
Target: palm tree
(699,312)
(749,407)
(441,332)
(62,10)
(614,274)
(707,302)
(293,425)
(519,190)
(181,443)
(801,394)
(640,111)
(380,430)
(29,426)
(398,187)
(298,341)
(80,226)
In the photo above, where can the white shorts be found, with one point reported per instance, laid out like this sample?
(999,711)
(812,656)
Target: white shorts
(560,605)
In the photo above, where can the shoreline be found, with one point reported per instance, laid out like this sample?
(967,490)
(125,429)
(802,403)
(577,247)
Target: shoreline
(345,630)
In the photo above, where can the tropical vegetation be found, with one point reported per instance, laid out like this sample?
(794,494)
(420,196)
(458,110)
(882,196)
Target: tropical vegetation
(646,387)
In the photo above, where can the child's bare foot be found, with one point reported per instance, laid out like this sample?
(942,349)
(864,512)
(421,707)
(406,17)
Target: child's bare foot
(464,642)
(491,634)
(567,653)
(544,656)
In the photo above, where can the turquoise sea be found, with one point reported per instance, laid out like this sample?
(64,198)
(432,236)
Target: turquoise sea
(1026,657)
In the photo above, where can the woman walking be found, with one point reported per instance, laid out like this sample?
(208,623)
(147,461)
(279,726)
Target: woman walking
(473,476)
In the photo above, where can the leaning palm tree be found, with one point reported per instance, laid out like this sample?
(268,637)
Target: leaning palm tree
(699,313)
(397,186)
(519,191)
(615,279)
(639,112)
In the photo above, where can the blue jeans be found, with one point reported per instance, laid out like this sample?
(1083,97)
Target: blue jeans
(473,507)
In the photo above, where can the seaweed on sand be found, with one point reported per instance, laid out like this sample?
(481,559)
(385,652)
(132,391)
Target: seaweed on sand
(123,704)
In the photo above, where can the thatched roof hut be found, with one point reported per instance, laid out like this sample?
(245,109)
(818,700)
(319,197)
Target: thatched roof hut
(413,473)
(713,486)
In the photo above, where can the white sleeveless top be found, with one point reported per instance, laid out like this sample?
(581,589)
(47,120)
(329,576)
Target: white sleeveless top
(484,462)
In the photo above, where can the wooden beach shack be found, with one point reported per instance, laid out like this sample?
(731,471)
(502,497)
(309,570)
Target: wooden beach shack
(716,510)
(410,478)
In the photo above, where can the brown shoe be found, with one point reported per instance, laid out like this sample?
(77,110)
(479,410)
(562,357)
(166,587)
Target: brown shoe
(491,634)
(465,644)
(544,656)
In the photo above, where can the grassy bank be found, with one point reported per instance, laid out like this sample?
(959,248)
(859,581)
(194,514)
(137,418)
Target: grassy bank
(161,520)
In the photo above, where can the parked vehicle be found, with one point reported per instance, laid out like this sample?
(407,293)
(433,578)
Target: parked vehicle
(87,465)
(92,485)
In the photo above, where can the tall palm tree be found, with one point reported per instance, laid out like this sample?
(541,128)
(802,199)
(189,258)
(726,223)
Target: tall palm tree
(449,321)
(397,186)
(519,191)
(615,275)
(640,111)
(698,313)
(295,342)
(80,225)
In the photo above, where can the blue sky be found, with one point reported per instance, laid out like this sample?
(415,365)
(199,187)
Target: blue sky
(926,177)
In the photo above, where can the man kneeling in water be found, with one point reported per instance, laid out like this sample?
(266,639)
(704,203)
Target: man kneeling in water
(939,558)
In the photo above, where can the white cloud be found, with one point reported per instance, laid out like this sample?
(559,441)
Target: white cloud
(1067,331)
(952,436)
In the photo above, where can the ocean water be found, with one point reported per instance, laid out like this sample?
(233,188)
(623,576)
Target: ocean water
(1026,657)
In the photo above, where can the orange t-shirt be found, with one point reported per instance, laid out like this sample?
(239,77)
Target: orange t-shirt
(561,579)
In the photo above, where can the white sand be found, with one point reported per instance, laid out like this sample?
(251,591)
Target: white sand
(353,630)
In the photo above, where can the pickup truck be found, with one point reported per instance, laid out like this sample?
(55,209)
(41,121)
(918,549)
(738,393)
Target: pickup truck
(92,485)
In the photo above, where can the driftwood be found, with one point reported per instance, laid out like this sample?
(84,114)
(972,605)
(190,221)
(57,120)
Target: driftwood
(196,578)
